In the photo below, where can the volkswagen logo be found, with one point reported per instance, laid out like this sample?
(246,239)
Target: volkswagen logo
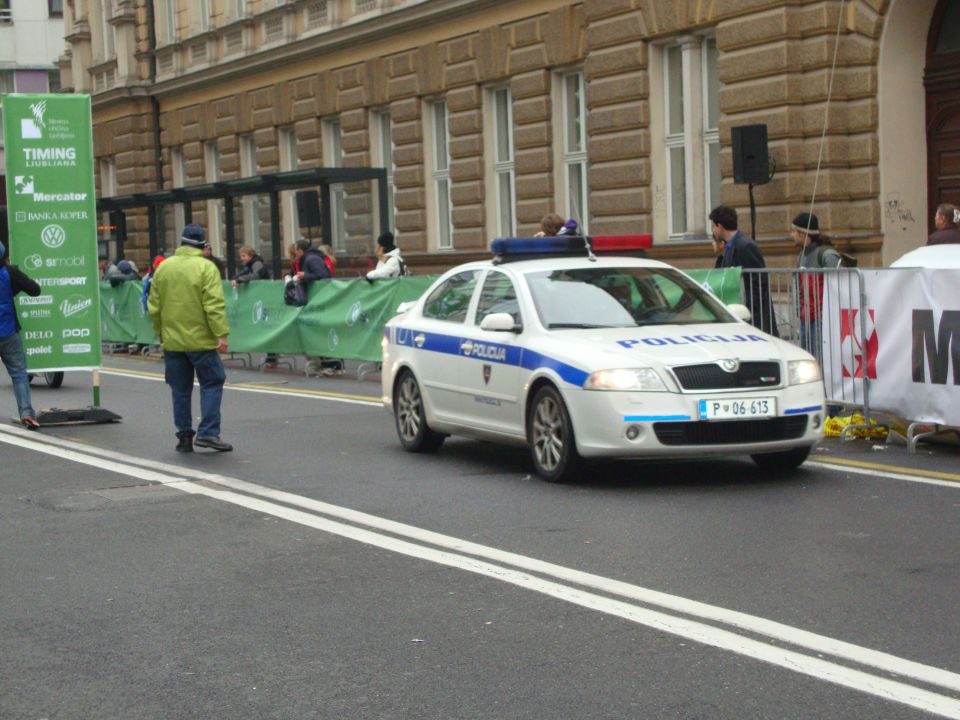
(730,366)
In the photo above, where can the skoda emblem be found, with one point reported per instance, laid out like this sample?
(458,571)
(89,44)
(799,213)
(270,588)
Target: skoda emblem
(730,366)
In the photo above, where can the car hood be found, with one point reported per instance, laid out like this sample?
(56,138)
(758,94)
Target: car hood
(665,345)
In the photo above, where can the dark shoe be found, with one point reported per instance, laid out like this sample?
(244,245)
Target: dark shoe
(214,443)
(30,423)
(186,444)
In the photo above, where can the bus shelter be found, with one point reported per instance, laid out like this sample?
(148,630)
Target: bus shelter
(228,191)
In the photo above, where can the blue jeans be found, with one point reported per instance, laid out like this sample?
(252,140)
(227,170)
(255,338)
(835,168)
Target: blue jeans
(810,338)
(11,350)
(180,368)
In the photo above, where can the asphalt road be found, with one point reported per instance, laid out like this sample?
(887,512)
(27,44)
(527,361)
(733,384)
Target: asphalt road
(319,571)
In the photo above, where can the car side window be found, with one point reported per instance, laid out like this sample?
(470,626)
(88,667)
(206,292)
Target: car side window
(451,299)
(498,296)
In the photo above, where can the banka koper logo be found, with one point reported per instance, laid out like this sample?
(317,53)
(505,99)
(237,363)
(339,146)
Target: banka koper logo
(858,345)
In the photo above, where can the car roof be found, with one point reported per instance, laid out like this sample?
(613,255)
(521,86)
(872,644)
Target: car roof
(565,263)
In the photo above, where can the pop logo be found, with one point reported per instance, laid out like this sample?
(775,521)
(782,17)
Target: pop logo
(858,355)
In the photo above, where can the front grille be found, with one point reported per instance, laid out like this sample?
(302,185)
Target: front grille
(713,377)
(730,432)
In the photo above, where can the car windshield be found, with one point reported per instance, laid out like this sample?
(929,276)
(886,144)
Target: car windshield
(621,297)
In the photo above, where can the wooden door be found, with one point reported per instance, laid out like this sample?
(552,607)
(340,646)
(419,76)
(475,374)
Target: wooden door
(942,81)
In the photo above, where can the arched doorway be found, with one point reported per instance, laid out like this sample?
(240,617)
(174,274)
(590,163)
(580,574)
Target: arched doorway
(942,82)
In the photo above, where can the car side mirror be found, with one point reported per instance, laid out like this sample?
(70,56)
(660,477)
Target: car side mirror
(500,322)
(740,312)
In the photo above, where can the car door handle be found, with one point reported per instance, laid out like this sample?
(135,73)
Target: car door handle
(419,339)
(466,347)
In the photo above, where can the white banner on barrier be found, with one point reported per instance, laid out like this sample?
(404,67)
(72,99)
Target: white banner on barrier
(907,342)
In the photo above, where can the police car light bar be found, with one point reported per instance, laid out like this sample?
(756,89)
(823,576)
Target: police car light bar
(620,243)
(507,249)
(549,245)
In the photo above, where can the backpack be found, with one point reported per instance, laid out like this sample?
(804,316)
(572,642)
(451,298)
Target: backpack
(846,261)
(404,270)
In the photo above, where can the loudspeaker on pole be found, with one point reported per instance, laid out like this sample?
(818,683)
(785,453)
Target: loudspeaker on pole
(308,208)
(751,164)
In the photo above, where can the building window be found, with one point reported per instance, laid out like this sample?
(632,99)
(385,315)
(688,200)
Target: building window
(573,198)
(203,8)
(108,188)
(178,172)
(248,203)
(503,164)
(170,6)
(211,162)
(333,157)
(382,156)
(441,220)
(53,81)
(54,8)
(241,8)
(6,86)
(287,138)
(108,41)
(690,146)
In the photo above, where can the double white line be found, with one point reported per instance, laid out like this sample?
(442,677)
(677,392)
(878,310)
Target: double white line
(850,665)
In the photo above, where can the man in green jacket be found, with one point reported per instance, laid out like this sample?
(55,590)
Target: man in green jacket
(189,316)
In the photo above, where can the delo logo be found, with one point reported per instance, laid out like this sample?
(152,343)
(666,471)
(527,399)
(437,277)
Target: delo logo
(38,335)
(76,333)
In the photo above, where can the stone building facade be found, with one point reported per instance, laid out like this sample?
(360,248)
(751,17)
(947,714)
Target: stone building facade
(489,114)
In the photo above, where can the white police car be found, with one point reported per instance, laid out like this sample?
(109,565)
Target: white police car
(579,356)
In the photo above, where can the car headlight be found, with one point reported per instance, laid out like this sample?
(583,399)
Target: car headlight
(625,379)
(800,372)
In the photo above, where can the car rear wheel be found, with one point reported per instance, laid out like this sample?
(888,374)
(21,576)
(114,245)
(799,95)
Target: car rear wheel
(53,379)
(786,460)
(550,433)
(411,420)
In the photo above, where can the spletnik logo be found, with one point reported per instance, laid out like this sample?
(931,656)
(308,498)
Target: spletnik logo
(75,306)
(32,128)
(53,236)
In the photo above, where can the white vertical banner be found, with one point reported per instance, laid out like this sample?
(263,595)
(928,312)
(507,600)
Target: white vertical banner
(905,340)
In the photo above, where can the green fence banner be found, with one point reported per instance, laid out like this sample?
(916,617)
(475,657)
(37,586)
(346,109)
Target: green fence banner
(343,318)
(51,210)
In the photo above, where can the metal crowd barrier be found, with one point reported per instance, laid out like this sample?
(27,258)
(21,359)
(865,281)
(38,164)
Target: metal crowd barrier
(789,303)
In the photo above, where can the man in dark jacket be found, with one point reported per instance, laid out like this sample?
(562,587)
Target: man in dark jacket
(312,263)
(742,251)
(13,281)
(947,222)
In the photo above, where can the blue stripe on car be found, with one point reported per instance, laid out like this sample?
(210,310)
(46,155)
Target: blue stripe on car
(491,352)
(653,418)
(798,411)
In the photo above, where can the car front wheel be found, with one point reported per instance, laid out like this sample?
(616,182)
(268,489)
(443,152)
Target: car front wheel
(411,419)
(786,460)
(550,433)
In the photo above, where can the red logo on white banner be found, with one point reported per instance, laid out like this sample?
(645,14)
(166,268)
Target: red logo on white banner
(858,356)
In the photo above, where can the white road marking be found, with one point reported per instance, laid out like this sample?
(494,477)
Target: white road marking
(259,390)
(853,470)
(184,479)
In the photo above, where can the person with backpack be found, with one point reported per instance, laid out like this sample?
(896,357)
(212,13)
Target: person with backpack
(816,252)
(389,262)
